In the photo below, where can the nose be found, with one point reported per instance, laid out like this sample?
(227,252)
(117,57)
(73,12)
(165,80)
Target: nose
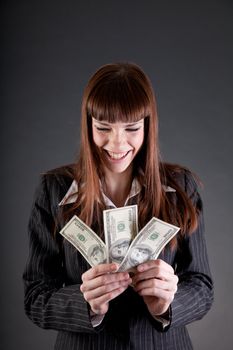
(118,138)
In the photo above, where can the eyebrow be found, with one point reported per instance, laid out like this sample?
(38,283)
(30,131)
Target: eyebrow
(109,124)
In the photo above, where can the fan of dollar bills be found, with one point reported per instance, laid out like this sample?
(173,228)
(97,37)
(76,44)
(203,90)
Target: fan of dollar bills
(123,244)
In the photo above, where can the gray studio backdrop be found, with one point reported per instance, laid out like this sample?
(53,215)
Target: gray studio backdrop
(50,49)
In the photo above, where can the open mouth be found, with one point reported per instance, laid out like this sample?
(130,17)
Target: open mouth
(117,156)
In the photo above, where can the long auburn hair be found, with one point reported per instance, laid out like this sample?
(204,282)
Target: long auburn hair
(121,92)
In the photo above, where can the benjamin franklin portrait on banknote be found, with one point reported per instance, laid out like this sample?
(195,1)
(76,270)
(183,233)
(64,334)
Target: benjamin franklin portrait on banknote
(119,250)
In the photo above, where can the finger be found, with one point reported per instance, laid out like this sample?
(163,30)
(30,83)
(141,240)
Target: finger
(99,303)
(159,293)
(155,263)
(99,270)
(157,273)
(155,284)
(104,280)
(98,292)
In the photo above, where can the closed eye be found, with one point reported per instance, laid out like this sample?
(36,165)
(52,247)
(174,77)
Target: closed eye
(132,129)
(102,129)
(108,129)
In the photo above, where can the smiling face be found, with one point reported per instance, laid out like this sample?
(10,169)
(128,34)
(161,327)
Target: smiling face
(118,143)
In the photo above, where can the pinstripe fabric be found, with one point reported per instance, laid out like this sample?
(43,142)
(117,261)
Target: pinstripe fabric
(52,280)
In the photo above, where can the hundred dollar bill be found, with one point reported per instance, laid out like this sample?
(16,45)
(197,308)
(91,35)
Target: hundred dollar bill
(120,227)
(149,243)
(85,240)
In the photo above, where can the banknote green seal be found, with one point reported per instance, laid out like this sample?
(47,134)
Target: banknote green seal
(121,226)
(154,236)
(81,237)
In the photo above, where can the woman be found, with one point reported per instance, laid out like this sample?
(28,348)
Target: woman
(119,164)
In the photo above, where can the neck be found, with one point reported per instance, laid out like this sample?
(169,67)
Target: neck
(117,186)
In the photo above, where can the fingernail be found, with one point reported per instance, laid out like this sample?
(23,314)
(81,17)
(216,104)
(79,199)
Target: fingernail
(114,267)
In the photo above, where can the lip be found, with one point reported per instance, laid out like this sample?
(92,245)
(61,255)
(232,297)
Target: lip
(116,156)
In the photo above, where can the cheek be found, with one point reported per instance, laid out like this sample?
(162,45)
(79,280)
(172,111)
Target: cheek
(98,139)
(138,140)
(141,140)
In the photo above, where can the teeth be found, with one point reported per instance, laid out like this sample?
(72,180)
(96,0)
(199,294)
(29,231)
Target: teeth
(117,155)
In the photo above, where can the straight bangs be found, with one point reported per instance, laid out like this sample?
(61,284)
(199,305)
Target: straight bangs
(119,100)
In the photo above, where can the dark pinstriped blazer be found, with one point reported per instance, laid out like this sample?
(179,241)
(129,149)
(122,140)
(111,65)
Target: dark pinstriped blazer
(52,279)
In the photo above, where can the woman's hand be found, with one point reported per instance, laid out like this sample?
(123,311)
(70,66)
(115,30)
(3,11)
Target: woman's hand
(156,282)
(101,284)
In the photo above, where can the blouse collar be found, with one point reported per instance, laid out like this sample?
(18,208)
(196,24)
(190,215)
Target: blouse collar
(72,193)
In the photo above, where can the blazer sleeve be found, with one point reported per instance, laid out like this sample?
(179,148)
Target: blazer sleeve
(194,296)
(48,302)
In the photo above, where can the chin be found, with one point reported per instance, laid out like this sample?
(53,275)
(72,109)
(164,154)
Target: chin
(118,170)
